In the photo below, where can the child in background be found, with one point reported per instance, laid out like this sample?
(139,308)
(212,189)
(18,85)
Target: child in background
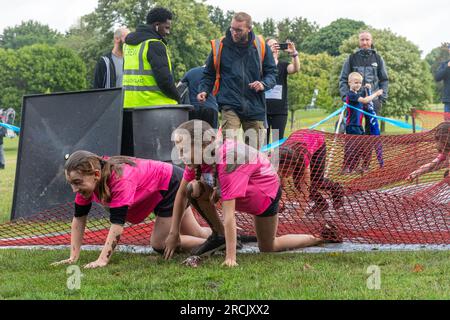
(442,137)
(130,189)
(353,150)
(248,183)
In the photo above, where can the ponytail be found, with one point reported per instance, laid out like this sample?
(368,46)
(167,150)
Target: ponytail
(86,163)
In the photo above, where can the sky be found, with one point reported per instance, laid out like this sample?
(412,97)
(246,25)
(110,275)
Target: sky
(425,23)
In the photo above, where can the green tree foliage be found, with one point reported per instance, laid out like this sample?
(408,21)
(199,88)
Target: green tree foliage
(269,28)
(434,59)
(314,74)
(188,42)
(219,18)
(410,80)
(38,69)
(28,33)
(89,43)
(330,38)
(296,30)
(112,13)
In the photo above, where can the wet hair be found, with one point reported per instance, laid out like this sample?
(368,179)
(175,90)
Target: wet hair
(293,161)
(197,140)
(190,126)
(442,134)
(86,163)
(158,14)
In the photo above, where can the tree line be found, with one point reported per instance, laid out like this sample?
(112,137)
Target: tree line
(36,59)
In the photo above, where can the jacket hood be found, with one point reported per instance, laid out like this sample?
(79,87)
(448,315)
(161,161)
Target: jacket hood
(143,32)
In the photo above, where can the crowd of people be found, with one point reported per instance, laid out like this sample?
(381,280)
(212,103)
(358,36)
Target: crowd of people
(243,80)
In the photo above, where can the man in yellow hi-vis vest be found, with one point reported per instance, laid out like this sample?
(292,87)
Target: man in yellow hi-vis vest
(148,79)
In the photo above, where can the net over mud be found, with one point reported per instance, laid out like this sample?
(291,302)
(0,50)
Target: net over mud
(355,183)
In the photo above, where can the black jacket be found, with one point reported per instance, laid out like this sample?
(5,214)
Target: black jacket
(443,74)
(2,134)
(371,66)
(157,57)
(240,66)
(100,73)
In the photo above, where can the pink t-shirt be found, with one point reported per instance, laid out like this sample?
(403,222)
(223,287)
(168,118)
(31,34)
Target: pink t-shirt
(253,183)
(312,140)
(138,188)
(441,157)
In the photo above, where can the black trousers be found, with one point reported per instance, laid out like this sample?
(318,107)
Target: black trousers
(276,122)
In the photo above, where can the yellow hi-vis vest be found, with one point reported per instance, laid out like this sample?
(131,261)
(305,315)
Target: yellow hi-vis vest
(139,85)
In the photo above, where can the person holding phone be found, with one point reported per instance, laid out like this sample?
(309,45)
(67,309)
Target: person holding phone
(277,102)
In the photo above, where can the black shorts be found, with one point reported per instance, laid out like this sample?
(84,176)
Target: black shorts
(164,208)
(272,210)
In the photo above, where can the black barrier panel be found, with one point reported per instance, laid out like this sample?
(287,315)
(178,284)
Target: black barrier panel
(152,130)
(54,125)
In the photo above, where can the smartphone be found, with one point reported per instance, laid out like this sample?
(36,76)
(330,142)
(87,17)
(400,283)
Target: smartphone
(283,46)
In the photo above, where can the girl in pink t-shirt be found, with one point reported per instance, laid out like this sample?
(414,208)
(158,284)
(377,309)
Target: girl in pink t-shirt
(303,157)
(442,137)
(242,178)
(130,189)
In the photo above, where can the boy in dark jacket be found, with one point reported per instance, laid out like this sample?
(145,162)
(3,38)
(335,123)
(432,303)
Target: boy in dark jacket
(354,149)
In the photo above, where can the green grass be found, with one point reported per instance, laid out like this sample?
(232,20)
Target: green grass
(404,275)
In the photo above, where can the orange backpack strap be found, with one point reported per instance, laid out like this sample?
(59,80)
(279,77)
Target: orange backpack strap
(260,45)
(217,47)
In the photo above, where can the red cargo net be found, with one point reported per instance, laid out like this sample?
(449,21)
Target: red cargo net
(357,184)
(429,120)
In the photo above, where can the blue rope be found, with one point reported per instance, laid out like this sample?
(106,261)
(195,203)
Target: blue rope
(328,118)
(273,145)
(10,127)
(396,123)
